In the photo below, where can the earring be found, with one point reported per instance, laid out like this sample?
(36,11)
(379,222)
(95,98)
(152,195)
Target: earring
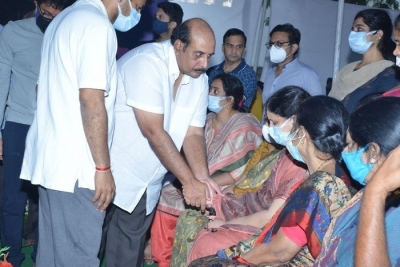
(372,161)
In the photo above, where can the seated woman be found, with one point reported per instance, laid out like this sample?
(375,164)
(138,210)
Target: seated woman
(231,138)
(257,195)
(374,131)
(376,72)
(293,236)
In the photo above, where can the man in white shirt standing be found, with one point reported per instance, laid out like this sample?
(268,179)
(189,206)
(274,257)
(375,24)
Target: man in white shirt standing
(160,109)
(67,147)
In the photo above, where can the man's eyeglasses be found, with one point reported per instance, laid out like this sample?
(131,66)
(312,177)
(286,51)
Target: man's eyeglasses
(45,14)
(277,44)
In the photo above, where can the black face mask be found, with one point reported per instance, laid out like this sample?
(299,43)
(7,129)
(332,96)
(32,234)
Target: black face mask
(42,22)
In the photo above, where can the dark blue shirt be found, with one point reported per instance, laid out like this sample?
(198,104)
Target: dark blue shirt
(244,73)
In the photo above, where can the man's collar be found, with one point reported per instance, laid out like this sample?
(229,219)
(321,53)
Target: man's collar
(287,64)
(235,70)
(173,67)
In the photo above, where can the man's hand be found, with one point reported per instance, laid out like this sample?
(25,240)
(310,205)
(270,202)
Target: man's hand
(1,148)
(196,194)
(104,189)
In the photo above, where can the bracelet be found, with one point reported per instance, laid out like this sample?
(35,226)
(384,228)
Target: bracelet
(103,169)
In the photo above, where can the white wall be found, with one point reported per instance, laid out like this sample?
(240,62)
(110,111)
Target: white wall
(316,20)
(223,15)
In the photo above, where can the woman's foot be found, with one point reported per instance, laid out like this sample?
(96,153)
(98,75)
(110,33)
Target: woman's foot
(148,258)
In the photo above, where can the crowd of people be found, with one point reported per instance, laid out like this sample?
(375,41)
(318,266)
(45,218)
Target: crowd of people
(313,180)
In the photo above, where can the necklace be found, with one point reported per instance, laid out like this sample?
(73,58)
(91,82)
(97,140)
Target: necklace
(320,166)
(307,174)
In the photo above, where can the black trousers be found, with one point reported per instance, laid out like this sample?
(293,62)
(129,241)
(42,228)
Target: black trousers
(124,235)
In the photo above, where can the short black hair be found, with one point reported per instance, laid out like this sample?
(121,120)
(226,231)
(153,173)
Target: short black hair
(56,4)
(326,121)
(183,32)
(294,34)
(234,32)
(173,10)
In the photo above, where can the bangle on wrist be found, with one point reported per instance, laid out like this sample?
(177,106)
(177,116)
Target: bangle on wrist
(106,169)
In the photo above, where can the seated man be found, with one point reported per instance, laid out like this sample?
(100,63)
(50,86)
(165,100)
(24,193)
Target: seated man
(168,17)
(233,47)
(283,45)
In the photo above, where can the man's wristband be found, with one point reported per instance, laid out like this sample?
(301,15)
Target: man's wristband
(106,169)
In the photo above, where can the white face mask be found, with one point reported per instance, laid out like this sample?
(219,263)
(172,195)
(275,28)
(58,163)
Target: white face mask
(277,54)
(275,134)
(125,23)
(213,103)
(398,61)
(358,42)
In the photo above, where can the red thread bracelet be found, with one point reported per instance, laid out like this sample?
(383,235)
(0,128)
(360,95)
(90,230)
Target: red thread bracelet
(106,169)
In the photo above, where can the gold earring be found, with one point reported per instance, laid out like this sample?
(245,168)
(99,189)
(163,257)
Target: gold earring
(372,161)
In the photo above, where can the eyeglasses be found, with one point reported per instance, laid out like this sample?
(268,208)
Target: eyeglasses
(45,14)
(277,44)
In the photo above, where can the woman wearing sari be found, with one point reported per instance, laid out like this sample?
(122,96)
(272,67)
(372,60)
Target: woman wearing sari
(255,198)
(293,236)
(376,72)
(374,131)
(231,138)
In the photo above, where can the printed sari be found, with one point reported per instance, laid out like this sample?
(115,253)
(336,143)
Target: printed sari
(227,151)
(312,206)
(192,241)
(338,247)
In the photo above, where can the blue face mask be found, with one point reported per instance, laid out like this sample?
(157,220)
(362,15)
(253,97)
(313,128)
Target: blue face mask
(213,103)
(159,26)
(358,43)
(293,150)
(123,23)
(357,167)
(274,134)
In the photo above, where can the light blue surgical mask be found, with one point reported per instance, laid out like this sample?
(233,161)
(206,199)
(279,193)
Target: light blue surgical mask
(213,103)
(274,134)
(358,43)
(294,150)
(125,23)
(357,167)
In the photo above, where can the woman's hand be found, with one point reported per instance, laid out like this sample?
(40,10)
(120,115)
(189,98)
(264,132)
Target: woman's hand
(228,189)
(215,223)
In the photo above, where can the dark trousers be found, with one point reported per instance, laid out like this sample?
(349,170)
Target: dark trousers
(15,191)
(126,235)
